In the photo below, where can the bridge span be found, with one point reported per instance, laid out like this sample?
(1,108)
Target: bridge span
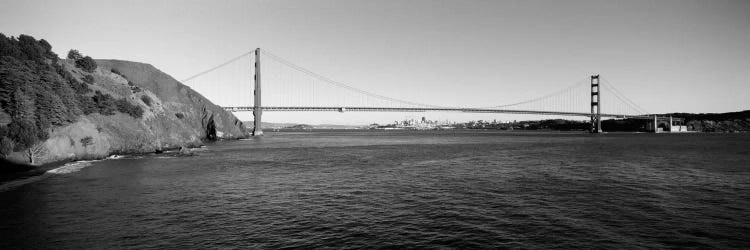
(297,89)
(463,110)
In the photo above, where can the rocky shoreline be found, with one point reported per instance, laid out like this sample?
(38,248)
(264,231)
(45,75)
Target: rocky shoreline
(14,171)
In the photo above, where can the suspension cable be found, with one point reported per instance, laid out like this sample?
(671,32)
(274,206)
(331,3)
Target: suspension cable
(343,85)
(627,100)
(217,67)
(574,85)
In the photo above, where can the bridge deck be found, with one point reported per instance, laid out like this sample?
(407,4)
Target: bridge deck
(437,109)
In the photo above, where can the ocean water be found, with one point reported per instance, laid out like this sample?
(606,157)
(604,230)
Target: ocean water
(423,189)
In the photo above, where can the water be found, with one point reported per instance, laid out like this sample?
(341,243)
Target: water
(399,190)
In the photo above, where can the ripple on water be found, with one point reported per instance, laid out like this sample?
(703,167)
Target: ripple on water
(398,191)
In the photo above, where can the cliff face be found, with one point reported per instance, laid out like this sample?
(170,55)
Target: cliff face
(175,100)
(174,115)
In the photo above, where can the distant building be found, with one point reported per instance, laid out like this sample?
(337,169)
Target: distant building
(666,124)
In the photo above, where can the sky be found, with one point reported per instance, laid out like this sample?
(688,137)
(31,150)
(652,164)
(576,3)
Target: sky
(667,56)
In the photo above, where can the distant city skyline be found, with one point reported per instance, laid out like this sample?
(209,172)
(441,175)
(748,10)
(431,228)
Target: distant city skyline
(669,56)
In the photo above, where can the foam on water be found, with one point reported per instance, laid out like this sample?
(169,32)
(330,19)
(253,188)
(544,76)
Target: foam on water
(71,167)
(65,169)
(115,157)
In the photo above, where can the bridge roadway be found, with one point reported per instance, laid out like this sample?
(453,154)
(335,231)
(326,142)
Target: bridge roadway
(434,109)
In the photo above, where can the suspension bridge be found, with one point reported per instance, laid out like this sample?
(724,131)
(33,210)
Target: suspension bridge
(295,88)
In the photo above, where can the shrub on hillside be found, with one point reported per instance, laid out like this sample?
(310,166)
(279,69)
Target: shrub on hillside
(124,106)
(86,64)
(104,103)
(88,79)
(146,99)
(74,55)
(83,62)
(88,105)
(114,70)
(134,87)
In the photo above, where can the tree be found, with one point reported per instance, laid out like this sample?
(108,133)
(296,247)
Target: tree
(39,94)
(24,133)
(38,151)
(48,50)
(74,54)
(87,64)
(6,146)
(31,48)
(9,47)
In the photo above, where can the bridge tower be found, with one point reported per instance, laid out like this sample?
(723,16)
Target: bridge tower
(596,114)
(257,111)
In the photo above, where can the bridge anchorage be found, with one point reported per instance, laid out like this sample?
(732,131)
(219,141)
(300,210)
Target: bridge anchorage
(294,88)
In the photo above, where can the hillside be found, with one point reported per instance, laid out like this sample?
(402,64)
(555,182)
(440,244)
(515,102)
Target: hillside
(700,122)
(717,122)
(55,109)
